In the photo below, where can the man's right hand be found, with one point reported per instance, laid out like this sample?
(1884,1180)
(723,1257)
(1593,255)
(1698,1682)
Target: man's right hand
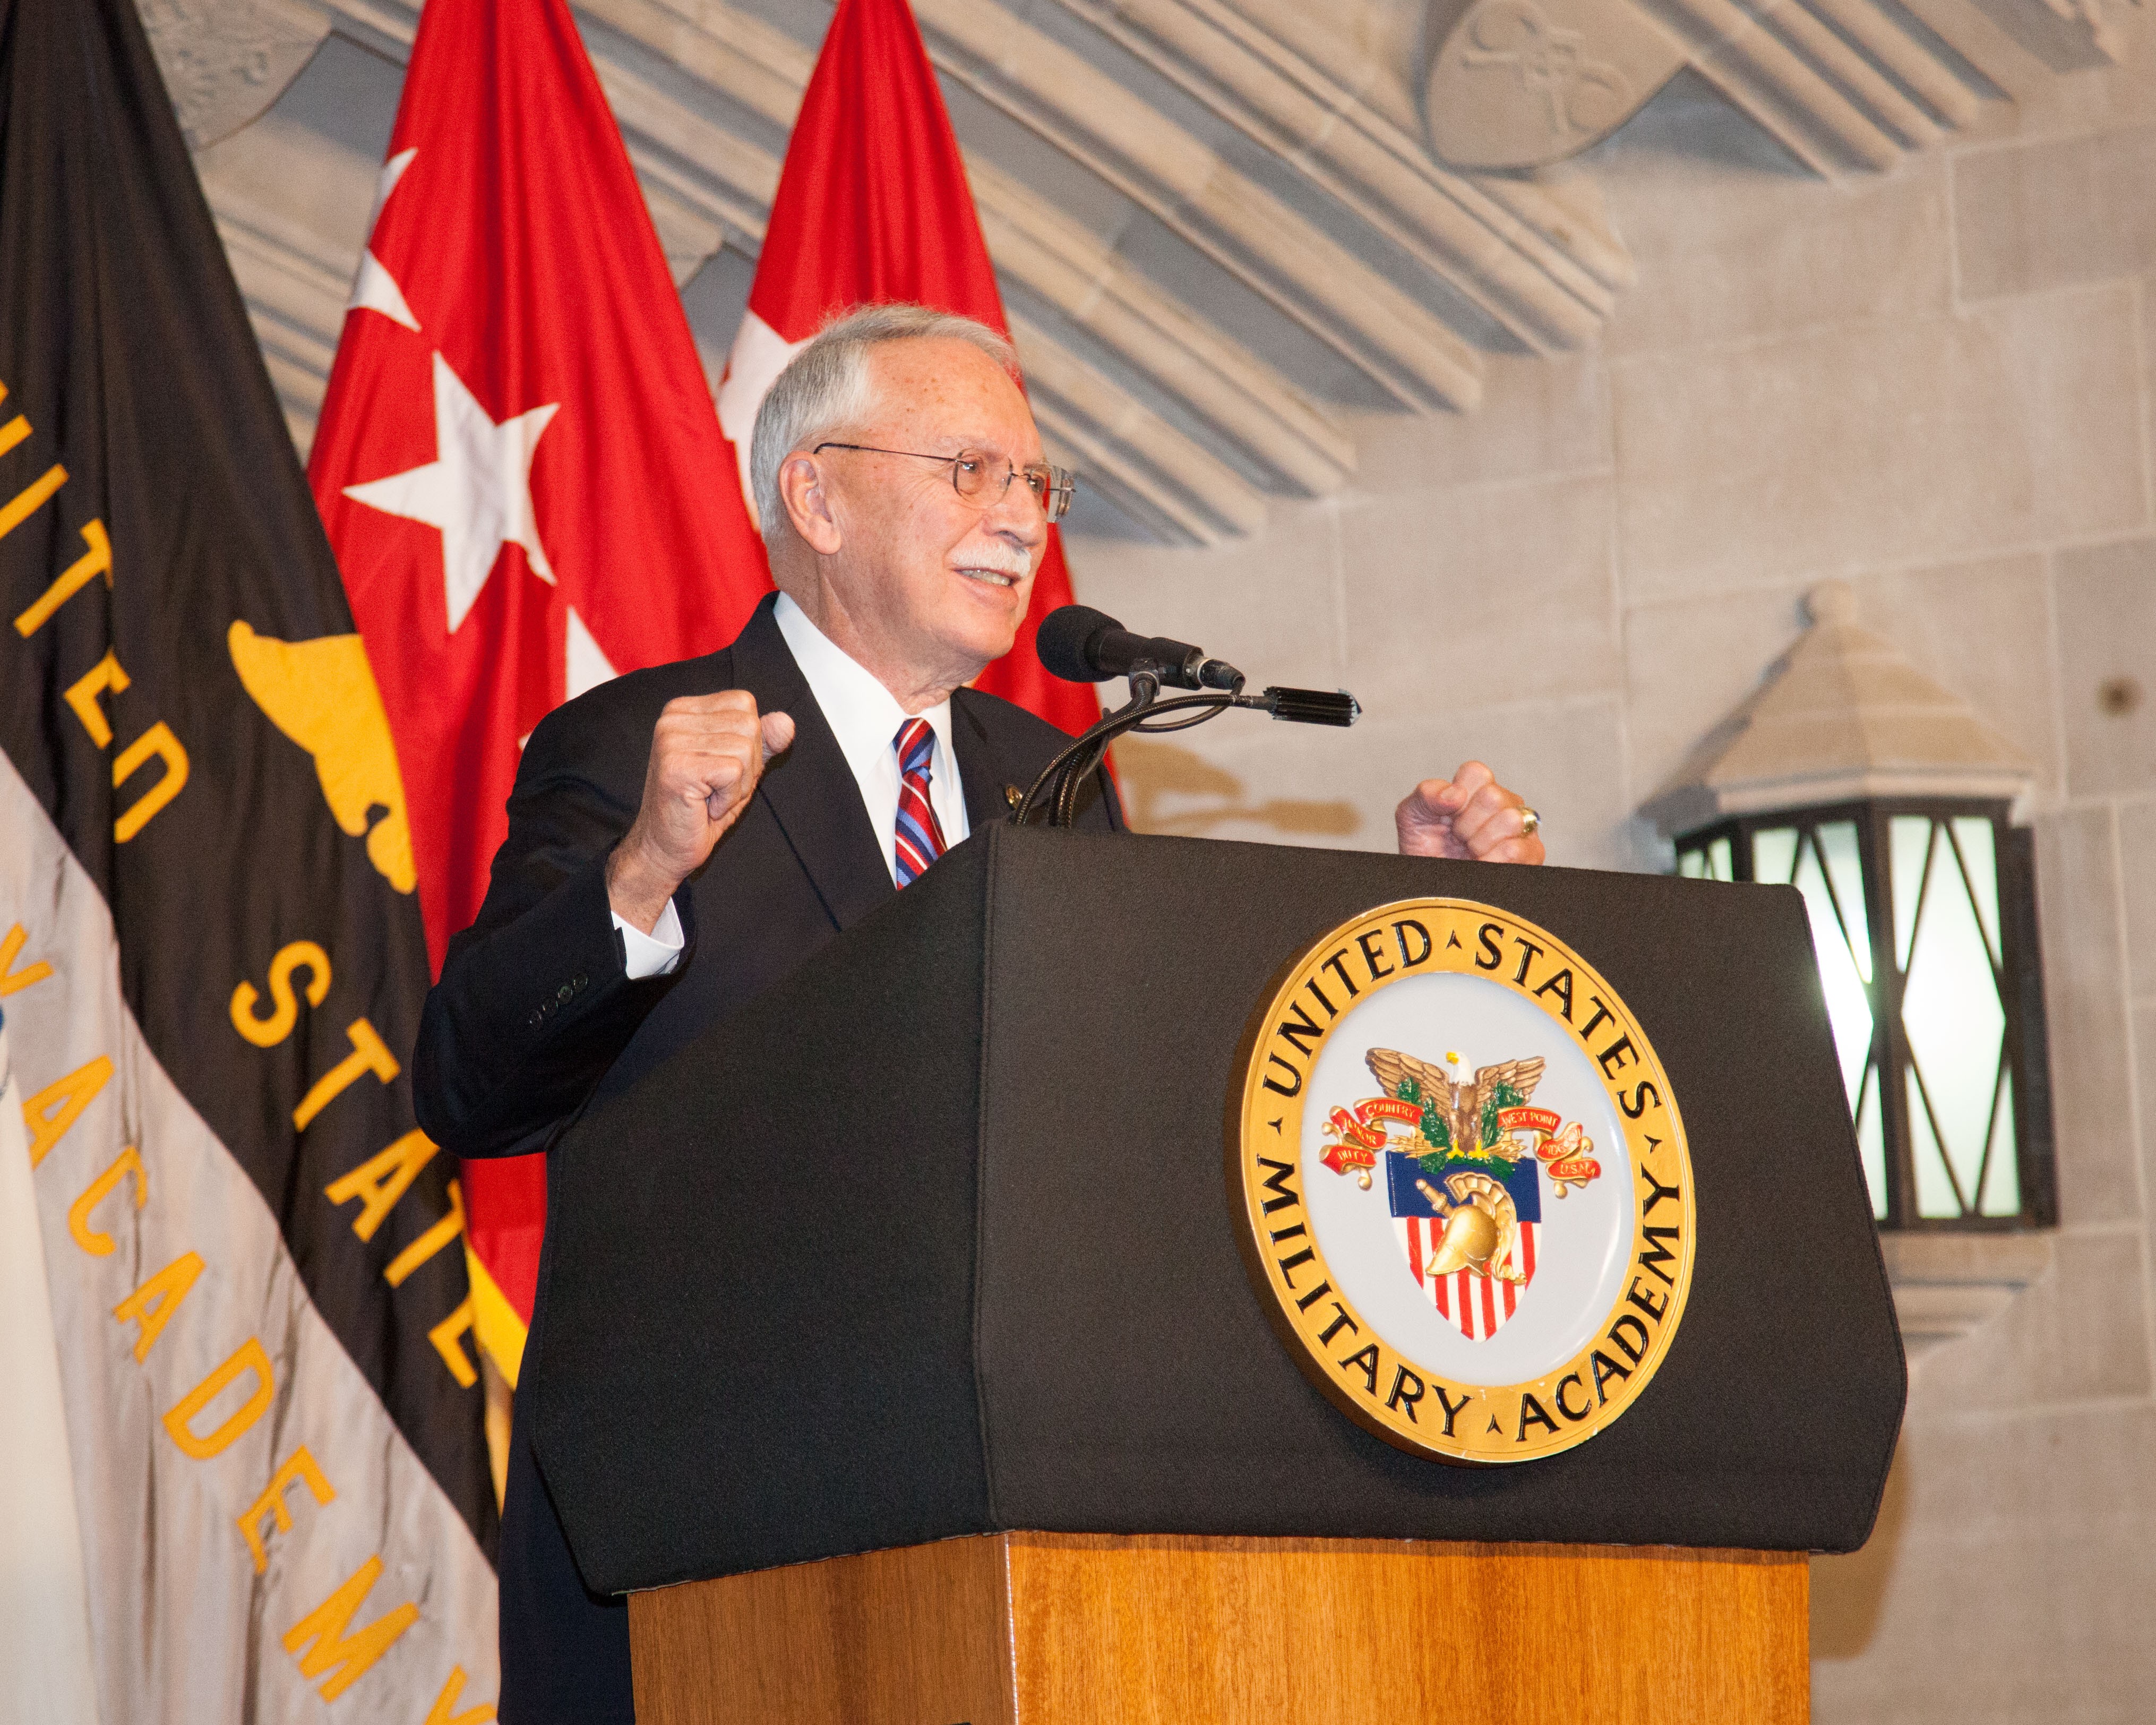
(707,753)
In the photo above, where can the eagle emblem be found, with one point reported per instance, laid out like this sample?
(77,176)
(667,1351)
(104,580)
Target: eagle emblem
(1458,1113)
(1465,1155)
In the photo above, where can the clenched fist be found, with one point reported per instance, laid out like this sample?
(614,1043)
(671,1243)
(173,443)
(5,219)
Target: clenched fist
(1468,816)
(708,752)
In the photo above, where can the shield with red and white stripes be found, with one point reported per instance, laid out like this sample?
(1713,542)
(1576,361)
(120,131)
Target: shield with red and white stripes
(1477,1301)
(1477,1304)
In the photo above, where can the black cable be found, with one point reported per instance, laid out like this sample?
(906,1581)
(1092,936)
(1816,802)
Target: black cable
(1062,777)
(1145,691)
(1070,769)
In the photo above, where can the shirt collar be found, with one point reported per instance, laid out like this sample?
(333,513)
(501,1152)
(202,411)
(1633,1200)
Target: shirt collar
(863,715)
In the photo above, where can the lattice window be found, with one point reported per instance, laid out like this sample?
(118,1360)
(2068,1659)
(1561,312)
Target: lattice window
(1924,919)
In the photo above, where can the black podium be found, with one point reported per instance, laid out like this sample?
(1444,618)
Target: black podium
(931,1240)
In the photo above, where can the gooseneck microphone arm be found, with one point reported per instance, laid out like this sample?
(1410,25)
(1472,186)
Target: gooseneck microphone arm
(1069,771)
(1084,645)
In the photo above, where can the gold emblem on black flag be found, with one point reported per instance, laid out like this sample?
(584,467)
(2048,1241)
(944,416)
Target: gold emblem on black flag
(321,694)
(1463,1190)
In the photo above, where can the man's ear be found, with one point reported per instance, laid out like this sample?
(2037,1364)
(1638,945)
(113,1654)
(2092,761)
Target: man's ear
(808,504)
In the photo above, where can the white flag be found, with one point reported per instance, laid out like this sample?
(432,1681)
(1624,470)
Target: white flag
(46,1671)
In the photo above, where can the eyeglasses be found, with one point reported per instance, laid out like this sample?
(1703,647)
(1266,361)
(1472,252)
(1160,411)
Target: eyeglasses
(973,478)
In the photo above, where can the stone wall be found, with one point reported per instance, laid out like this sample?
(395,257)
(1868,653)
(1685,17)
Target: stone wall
(1937,383)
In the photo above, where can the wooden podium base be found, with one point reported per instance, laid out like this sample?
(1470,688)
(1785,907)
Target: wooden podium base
(1042,1629)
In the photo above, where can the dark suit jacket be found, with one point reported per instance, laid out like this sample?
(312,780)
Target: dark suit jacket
(536,1016)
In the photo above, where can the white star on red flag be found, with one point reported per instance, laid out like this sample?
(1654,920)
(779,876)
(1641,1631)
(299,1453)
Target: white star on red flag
(477,489)
(374,289)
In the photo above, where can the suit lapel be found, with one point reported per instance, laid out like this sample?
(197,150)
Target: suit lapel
(982,771)
(810,789)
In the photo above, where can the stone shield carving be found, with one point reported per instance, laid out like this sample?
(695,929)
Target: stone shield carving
(225,61)
(1523,83)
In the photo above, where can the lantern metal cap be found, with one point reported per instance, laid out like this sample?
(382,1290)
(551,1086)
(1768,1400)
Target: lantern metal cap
(1842,716)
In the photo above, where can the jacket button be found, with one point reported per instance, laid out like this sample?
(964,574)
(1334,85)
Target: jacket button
(583,981)
(538,1017)
(564,992)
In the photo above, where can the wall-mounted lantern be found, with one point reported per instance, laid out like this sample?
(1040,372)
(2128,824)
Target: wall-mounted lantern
(1889,804)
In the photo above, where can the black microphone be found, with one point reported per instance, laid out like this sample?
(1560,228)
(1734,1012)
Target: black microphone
(1082,645)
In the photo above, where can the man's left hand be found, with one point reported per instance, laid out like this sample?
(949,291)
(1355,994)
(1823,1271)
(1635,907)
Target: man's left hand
(1468,817)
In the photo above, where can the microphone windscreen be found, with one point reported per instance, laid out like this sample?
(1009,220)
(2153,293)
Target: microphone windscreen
(1066,640)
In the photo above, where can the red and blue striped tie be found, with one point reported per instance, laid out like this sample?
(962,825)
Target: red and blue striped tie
(920,839)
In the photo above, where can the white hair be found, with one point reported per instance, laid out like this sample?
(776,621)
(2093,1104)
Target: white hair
(825,389)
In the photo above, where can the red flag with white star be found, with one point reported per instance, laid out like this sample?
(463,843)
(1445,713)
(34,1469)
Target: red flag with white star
(873,205)
(520,468)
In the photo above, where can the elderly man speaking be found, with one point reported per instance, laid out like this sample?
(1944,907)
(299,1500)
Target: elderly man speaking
(682,838)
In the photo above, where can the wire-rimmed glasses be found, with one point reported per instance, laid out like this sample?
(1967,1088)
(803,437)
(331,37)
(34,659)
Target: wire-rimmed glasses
(973,476)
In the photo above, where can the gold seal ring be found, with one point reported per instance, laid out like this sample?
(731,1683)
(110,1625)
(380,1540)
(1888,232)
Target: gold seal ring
(1530,822)
(1461,1185)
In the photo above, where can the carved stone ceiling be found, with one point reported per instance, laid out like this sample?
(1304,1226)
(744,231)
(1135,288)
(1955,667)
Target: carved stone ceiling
(1216,222)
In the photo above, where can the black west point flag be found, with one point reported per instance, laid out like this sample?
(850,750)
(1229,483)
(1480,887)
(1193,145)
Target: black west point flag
(213,968)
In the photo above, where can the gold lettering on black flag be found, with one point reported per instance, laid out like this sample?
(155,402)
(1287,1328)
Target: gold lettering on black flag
(191,736)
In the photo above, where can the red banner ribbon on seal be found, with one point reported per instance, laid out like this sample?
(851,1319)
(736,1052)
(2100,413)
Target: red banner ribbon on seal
(1361,1133)
(1565,1159)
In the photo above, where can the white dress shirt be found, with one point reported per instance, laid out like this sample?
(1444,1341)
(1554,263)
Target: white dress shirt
(865,717)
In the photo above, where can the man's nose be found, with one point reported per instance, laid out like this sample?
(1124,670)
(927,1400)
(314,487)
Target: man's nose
(1018,514)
